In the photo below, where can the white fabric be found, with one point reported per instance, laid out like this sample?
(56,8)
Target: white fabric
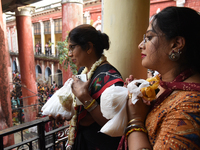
(54,107)
(113,106)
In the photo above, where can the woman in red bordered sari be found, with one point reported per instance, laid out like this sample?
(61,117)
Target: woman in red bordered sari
(89,137)
(170,46)
(86,46)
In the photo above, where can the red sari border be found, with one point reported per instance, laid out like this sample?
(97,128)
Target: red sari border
(96,95)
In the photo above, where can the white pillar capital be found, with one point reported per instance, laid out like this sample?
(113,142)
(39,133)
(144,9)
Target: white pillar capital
(24,11)
(51,21)
(72,1)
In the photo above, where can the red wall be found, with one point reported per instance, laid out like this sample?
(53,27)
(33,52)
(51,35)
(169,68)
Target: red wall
(155,4)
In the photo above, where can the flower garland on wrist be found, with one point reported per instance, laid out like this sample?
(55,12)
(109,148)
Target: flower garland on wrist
(72,128)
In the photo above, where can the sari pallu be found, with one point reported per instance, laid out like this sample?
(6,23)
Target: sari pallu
(89,137)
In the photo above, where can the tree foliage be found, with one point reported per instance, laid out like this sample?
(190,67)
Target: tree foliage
(63,56)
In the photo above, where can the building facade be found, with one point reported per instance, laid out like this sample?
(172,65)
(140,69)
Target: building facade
(46,33)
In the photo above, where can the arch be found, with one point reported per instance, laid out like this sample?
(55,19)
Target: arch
(97,24)
(38,71)
(58,78)
(48,76)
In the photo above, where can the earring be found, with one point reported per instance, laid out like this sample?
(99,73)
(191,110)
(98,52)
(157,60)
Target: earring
(89,51)
(174,56)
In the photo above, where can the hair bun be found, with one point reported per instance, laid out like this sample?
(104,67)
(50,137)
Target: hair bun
(105,40)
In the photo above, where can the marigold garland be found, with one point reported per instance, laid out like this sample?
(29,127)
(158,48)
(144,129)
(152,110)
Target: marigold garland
(72,128)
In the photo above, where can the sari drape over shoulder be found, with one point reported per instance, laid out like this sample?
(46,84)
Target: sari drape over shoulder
(88,137)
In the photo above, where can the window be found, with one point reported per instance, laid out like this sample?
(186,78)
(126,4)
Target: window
(47,27)
(37,29)
(58,25)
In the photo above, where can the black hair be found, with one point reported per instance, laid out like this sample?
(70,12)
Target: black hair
(185,22)
(85,33)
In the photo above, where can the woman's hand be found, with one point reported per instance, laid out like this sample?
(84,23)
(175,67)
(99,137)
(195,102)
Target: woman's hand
(128,80)
(58,119)
(80,89)
(138,110)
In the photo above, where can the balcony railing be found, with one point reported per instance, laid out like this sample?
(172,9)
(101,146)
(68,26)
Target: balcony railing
(41,141)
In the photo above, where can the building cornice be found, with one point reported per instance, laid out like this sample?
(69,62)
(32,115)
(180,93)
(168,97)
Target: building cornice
(72,1)
(49,11)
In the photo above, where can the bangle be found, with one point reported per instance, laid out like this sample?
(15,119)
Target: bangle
(92,107)
(133,120)
(90,104)
(135,129)
(133,126)
(130,95)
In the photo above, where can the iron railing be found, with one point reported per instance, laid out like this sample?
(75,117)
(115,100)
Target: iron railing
(57,136)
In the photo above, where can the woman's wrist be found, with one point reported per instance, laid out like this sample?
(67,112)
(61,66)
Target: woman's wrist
(90,105)
(135,125)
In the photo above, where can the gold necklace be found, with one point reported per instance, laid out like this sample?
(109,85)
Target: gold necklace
(71,134)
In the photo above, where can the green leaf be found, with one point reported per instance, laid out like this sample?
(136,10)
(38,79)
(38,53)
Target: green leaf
(64,60)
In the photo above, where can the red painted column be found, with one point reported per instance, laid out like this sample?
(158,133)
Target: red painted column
(26,61)
(5,101)
(72,16)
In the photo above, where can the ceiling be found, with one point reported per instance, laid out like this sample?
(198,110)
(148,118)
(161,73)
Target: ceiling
(11,5)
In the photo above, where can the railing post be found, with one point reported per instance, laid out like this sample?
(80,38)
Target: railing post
(1,142)
(41,134)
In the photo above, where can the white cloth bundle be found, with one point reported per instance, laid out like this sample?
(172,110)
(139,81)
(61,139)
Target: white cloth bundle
(54,107)
(113,106)
(135,90)
(61,101)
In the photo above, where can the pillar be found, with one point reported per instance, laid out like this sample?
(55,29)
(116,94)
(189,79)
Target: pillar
(27,61)
(52,72)
(72,16)
(5,101)
(87,15)
(43,71)
(52,36)
(42,37)
(125,22)
(9,39)
(33,38)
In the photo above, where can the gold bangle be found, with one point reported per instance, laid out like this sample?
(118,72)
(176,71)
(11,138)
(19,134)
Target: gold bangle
(92,107)
(135,120)
(135,129)
(130,95)
(90,104)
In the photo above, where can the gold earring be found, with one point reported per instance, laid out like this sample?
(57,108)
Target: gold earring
(89,51)
(174,56)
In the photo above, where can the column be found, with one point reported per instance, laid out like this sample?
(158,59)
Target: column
(43,70)
(72,14)
(180,3)
(5,102)
(42,36)
(27,61)
(87,15)
(9,39)
(52,36)
(33,38)
(16,40)
(124,53)
(52,72)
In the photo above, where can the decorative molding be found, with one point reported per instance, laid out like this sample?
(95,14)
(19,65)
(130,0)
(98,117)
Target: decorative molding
(72,1)
(46,12)
(24,11)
